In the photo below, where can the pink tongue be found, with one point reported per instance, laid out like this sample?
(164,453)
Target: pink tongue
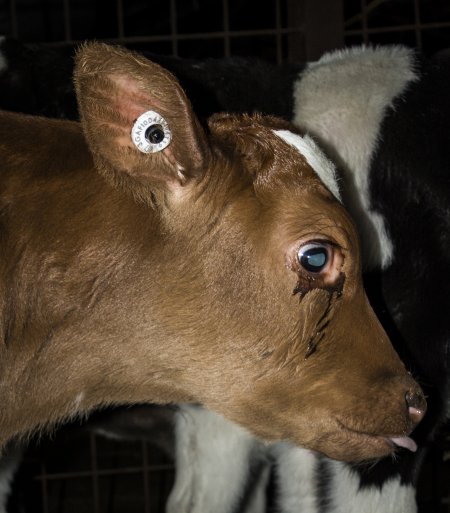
(406,442)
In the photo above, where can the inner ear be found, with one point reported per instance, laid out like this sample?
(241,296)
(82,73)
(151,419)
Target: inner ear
(119,94)
(132,104)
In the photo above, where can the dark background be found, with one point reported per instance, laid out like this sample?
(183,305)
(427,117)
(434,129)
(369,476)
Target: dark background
(277,30)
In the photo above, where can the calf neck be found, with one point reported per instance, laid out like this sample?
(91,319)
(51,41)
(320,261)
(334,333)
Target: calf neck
(214,265)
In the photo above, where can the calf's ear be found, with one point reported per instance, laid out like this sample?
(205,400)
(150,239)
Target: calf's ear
(139,125)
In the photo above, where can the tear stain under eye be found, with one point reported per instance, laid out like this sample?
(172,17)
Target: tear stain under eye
(303,288)
(321,325)
(267,353)
(312,344)
(334,293)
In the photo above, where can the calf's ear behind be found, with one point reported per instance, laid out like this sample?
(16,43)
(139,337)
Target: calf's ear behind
(117,90)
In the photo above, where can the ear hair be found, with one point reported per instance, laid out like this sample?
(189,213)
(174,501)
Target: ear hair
(115,89)
(251,135)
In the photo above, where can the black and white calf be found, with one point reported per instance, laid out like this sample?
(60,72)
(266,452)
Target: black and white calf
(384,116)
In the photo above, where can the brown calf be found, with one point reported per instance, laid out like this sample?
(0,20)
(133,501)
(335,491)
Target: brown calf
(218,269)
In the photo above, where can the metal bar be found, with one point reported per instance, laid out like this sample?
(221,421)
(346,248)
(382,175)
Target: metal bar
(369,8)
(94,473)
(145,477)
(13,18)
(173,27)
(417,23)
(183,37)
(44,488)
(296,51)
(322,33)
(226,28)
(364,21)
(67,21)
(398,28)
(278,27)
(102,472)
(120,24)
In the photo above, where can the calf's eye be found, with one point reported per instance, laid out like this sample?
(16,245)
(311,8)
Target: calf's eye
(313,257)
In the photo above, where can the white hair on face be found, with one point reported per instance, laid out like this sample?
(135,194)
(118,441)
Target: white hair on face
(341,100)
(323,167)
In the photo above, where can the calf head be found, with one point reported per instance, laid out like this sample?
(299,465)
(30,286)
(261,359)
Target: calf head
(250,284)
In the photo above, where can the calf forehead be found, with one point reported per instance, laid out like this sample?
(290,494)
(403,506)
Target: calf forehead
(323,167)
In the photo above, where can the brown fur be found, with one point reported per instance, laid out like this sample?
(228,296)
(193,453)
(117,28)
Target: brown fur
(177,279)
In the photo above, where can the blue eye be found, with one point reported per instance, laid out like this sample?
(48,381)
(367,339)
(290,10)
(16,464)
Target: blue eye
(313,257)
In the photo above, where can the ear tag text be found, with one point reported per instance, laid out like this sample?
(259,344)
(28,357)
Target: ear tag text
(150,132)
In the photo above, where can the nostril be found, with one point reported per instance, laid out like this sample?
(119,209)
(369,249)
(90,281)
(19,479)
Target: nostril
(416,405)
(415,400)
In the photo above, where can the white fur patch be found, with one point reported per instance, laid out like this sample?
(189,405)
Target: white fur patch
(296,475)
(346,496)
(213,459)
(315,158)
(341,100)
(3,61)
